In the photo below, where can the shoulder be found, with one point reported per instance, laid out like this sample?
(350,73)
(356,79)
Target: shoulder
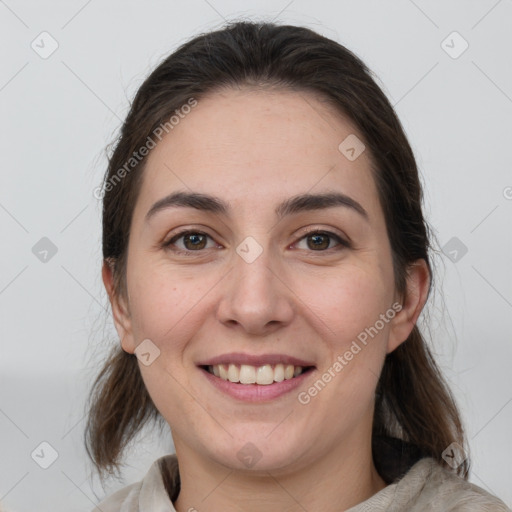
(124,499)
(437,488)
(428,486)
(148,494)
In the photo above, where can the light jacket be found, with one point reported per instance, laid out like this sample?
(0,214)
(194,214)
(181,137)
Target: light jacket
(418,484)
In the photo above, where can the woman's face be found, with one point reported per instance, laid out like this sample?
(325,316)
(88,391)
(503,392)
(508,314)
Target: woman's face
(252,286)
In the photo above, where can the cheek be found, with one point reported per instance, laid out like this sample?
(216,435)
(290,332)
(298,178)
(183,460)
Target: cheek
(167,308)
(347,301)
(350,308)
(169,312)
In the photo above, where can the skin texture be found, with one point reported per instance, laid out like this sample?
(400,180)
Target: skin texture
(255,149)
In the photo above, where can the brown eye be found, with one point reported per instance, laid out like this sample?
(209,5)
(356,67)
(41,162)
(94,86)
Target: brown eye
(194,241)
(320,241)
(191,241)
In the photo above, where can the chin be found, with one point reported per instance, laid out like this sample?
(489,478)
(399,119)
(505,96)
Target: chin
(256,453)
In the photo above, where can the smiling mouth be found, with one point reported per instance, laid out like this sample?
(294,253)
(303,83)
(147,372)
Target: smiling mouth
(263,375)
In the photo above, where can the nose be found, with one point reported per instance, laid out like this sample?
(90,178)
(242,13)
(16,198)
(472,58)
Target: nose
(255,296)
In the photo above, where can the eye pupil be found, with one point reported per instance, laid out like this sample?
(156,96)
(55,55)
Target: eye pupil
(317,241)
(195,239)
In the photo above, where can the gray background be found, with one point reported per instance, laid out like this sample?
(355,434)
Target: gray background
(58,114)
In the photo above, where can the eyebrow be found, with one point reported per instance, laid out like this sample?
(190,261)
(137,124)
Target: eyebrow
(293,205)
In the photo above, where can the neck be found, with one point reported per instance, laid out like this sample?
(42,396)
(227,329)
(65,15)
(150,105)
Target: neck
(338,480)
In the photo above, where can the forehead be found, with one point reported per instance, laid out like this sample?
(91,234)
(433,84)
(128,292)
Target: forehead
(254,147)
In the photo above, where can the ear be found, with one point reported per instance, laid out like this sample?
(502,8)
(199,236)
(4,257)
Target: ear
(120,312)
(418,281)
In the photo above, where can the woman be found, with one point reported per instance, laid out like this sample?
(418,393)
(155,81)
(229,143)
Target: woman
(266,259)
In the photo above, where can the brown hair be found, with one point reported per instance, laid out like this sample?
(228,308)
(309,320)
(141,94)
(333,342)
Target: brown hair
(413,402)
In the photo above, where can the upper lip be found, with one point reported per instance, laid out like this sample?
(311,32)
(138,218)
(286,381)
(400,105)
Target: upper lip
(254,360)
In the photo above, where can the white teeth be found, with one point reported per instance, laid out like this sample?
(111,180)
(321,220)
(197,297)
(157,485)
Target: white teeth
(247,374)
(233,373)
(223,373)
(263,375)
(279,373)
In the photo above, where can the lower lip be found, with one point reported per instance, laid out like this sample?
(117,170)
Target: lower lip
(256,392)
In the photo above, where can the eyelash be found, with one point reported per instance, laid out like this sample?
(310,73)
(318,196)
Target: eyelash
(167,245)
